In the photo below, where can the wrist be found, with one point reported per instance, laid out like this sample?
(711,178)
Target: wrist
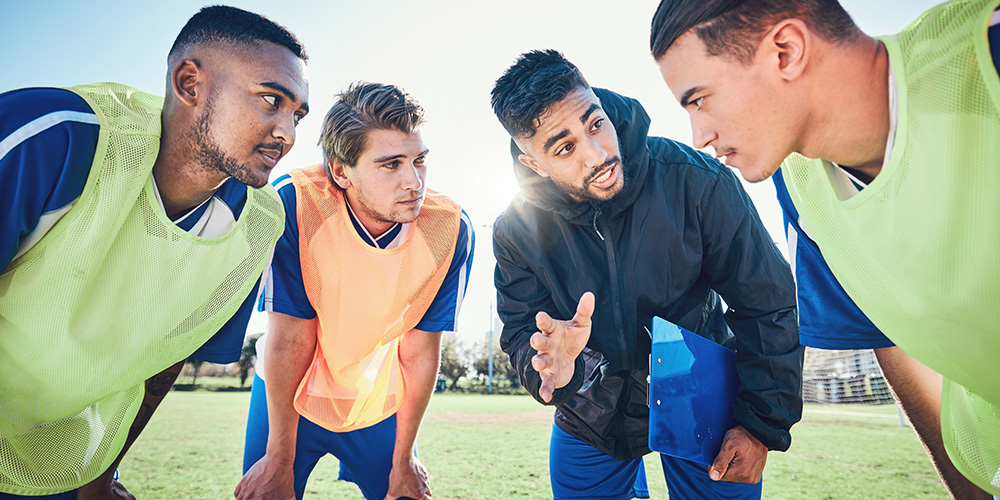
(402,458)
(280,456)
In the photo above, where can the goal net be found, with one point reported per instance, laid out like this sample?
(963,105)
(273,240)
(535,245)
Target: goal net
(843,376)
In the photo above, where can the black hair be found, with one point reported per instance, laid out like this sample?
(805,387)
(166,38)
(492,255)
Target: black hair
(537,80)
(735,27)
(222,23)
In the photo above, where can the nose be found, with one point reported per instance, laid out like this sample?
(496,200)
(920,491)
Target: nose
(595,152)
(413,177)
(702,135)
(284,131)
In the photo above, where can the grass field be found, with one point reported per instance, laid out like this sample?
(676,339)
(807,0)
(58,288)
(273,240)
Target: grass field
(495,447)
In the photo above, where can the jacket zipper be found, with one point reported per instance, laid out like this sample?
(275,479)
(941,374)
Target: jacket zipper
(615,293)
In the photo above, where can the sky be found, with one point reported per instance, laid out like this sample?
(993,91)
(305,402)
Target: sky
(446,53)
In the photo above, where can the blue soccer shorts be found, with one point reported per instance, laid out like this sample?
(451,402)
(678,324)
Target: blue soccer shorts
(579,471)
(366,453)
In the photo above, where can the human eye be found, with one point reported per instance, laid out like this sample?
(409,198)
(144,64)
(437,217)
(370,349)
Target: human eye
(598,124)
(565,150)
(419,161)
(698,102)
(272,100)
(392,165)
(298,117)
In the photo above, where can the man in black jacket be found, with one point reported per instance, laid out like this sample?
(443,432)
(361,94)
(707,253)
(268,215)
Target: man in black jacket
(611,228)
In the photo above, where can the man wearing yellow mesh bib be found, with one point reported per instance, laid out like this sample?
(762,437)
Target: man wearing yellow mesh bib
(889,183)
(371,268)
(133,235)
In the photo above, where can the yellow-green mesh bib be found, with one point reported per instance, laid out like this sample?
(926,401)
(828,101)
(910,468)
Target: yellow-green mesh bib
(919,249)
(113,294)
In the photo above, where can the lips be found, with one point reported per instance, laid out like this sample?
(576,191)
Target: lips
(604,178)
(725,156)
(270,155)
(412,201)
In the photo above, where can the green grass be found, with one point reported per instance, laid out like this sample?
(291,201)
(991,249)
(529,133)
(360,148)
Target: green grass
(495,447)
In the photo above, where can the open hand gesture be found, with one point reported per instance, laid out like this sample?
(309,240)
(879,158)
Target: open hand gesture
(558,344)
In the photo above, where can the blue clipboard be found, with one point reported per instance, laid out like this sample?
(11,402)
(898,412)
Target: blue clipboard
(692,387)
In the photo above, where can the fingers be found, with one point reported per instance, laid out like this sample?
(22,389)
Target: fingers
(721,464)
(544,322)
(541,342)
(584,309)
(741,459)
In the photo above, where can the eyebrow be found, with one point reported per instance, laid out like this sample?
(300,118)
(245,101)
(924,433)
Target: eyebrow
(554,139)
(686,98)
(590,110)
(583,119)
(383,159)
(284,90)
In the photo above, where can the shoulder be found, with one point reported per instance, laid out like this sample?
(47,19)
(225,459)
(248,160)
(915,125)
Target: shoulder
(679,166)
(285,186)
(22,106)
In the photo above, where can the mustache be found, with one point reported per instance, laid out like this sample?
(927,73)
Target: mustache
(277,146)
(604,166)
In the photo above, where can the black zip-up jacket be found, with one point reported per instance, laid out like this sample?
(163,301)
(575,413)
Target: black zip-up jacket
(681,230)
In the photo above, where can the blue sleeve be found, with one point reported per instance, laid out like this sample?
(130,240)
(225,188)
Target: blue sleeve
(284,289)
(828,318)
(47,143)
(227,344)
(442,315)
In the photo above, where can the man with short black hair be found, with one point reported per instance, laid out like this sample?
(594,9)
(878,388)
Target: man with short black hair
(371,268)
(133,236)
(887,150)
(611,228)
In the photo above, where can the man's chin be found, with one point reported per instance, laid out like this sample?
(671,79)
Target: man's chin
(252,178)
(608,194)
(755,173)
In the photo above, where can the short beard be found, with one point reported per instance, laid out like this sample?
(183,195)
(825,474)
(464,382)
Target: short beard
(210,155)
(584,194)
(603,205)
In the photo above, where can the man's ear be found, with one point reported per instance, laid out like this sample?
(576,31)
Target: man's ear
(187,82)
(787,47)
(339,173)
(533,164)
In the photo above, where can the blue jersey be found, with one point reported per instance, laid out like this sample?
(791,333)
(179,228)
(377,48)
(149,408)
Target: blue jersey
(828,318)
(48,138)
(284,291)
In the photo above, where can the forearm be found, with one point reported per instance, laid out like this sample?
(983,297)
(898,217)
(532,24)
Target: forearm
(157,388)
(291,344)
(918,390)
(420,358)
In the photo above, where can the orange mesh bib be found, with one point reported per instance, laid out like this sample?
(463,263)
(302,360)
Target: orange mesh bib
(365,299)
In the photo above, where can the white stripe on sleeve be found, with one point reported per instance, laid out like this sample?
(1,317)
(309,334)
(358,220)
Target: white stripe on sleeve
(41,124)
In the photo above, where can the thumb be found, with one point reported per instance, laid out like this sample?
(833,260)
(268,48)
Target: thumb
(721,464)
(584,309)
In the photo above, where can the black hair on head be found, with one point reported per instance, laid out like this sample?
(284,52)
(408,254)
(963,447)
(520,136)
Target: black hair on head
(673,18)
(536,81)
(734,28)
(222,23)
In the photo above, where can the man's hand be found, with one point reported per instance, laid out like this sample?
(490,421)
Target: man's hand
(268,479)
(408,480)
(558,344)
(741,459)
(103,488)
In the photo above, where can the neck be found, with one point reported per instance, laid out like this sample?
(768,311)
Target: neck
(183,182)
(849,120)
(374,226)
